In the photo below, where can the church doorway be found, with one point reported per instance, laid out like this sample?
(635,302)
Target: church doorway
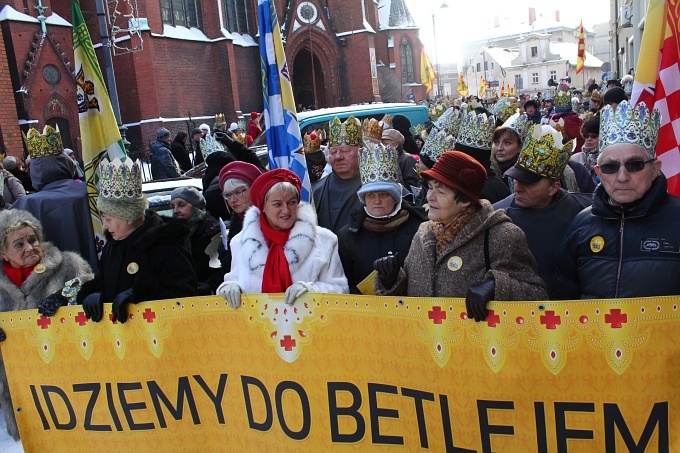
(308,81)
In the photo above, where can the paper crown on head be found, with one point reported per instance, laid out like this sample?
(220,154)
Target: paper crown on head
(543,152)
(520,124)
(436,110)
(449,122)
(43,145)
(504,109)
(347,133)
(220,119)
(311,143)
(378,163)
(372,129)
(386,121)
(121,179)
(628,124)
(241,137)
(437,143)
(562,99)
(476,130)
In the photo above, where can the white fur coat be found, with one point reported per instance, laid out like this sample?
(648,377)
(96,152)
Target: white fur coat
(311,252)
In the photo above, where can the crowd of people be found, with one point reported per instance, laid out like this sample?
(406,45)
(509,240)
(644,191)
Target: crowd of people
(481,204)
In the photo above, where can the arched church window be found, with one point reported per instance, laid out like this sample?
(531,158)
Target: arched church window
(238,12)
(407,73)
(182,13)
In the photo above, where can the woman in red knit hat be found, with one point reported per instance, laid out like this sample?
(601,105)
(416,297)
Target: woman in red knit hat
(281,248)
(466,249)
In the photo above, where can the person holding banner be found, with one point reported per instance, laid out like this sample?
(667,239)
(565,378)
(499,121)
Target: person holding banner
(281,247)
(144,257)
(466,249)
(32,271)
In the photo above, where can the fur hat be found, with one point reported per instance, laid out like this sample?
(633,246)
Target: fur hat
(190,195)
(614,94)
(460,172)
(204,127)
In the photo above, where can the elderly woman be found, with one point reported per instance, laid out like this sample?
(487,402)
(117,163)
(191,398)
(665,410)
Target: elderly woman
(281,247)
(188,205)
(144,257)
(466,249)
(235,180)
(32,270)
(383,224)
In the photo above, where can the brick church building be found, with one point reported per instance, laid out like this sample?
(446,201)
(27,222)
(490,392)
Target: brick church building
(199,58)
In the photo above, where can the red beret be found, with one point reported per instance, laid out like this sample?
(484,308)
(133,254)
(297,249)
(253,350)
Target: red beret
(265,182)
(244,171)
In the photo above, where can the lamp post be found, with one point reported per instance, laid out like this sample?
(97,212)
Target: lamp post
(436,57)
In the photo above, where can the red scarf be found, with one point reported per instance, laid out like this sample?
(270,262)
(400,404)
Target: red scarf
(17,275)
(276,278)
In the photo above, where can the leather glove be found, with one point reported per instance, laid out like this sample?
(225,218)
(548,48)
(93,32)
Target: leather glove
(231,292)
(93,306)
(296,290)
(119,305)
(3,336)
(477,297)
(49,306)
(388,269)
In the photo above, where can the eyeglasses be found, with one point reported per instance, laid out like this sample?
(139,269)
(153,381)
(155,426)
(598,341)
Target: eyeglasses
(632,166)
(593,136)
(236,193)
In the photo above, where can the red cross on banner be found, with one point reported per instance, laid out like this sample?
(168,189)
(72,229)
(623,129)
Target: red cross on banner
(44,322)
(550,320)
(616,318)
(437,315)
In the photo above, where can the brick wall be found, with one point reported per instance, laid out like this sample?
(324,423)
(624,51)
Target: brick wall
(10,136)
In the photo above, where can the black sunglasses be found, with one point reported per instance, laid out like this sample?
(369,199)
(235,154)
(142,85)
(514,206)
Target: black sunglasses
(632,166)
(587,136)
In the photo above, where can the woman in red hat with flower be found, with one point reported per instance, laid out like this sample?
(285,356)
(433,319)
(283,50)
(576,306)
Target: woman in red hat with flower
(466,249)
(281,248)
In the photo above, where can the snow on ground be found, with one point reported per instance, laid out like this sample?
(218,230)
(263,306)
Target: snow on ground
(7,444)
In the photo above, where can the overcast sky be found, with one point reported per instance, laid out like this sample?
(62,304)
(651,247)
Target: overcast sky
(467,20)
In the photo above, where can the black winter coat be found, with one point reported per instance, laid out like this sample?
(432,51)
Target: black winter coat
(164,266)
(200,240)
(235,227)
(358,247)
(181,155)
(611,251)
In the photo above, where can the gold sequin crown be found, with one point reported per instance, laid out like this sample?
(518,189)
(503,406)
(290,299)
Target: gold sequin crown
(504,109)
(121,179)
(347,133)
(543,152)
(437,143)
(476,130)
(378,163)
(562,98)
(628,124)
(43,145)
(219,118)
(311,143)
(372,129)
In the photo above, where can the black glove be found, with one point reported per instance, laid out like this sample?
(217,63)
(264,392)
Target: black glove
(477,297)
(388,269)
(119,305)
(93,306)
(3,337)
(49,306)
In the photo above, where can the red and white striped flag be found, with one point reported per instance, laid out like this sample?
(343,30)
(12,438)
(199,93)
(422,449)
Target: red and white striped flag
(657,83)
(581,58)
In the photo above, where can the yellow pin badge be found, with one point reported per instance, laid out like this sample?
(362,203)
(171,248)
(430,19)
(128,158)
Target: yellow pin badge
(455,263)
(597,244)
(132,268)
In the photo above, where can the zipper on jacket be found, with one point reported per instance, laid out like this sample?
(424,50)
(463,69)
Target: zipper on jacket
(618,272)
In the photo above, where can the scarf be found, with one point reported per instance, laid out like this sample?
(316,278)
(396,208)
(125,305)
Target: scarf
(386,225)
(590,155)
(17,275)
(446,233)
(276,277)
(194,222)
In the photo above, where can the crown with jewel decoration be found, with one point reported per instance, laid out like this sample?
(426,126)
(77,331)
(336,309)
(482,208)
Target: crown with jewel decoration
(543,152)
(378,164)
(347,133)
(520,124)
(476,130)
(220,119)
(372,129)
(562,99)
(504,109)
(311,143)
(241,137)
(449,122)
(628,124)
(121,179)
(437,143)
(43,145)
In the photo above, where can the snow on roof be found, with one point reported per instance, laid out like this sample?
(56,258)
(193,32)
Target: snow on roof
(186,34)
(569,51)
(11,14)
(503,56)
(509,28)
(394,14)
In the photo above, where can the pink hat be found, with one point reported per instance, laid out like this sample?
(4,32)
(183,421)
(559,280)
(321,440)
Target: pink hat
(244,171)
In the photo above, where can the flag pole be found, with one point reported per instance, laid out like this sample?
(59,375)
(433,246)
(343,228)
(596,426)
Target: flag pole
(108,60)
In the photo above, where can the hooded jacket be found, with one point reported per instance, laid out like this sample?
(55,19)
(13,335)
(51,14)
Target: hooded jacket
(163,165)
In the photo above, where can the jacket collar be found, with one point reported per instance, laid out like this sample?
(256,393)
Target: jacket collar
(651,201)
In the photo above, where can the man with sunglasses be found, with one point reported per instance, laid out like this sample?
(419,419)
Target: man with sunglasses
(628,243)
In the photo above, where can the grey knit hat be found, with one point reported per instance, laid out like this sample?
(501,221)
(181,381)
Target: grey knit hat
(162,133)
(190,195)
(10,163)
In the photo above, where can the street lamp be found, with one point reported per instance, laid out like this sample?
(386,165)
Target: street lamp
(436,58)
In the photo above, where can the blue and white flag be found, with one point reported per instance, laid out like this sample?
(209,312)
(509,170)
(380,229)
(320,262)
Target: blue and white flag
(283,131)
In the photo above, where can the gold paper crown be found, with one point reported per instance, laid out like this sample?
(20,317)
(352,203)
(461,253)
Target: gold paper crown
(504,109)
(43,145)
(121,179)
(372,129)
(378,163)
(628,124)
(476,130)
(347,133)
(312,142)
(543,152)
(241,137)
(562,99)
(437,143)
(596,96)
(436,110)
(219,118)
(387,121)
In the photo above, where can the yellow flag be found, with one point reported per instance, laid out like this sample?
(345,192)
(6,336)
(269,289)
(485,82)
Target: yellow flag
(99,132)
(581,58)
(462,87)
(482,87)
(427,74)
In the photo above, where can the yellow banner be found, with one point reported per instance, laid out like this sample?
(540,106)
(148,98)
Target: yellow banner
(342,372)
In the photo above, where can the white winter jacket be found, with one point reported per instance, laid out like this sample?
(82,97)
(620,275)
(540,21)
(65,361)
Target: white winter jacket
(311,251)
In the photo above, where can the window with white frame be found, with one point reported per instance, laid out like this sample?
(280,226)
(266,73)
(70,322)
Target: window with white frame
(181,13)
(519,83)
(534,78)
(553,75)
